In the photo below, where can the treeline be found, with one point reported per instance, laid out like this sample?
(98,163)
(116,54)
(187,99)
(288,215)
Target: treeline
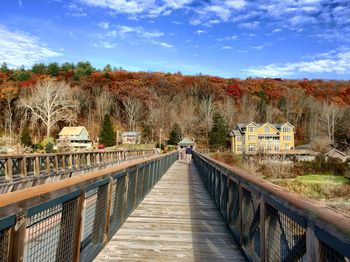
(148,101)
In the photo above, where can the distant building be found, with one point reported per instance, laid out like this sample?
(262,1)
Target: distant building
(186,142)
(335,153)
(131,137)
(75,137)
(252,138)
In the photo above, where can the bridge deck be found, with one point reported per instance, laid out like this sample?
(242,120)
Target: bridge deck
(177,221)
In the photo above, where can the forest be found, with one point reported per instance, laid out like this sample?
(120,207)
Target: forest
(150,101)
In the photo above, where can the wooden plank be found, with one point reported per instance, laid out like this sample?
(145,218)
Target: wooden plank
(177,221)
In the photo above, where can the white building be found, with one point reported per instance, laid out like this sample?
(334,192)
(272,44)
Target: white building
(75,137)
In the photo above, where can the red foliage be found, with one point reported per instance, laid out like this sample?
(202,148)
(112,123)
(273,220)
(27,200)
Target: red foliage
(101,146)
(234,90)
(27,83)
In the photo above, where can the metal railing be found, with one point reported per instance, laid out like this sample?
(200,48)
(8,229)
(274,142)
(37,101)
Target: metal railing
(72,220)
(272,224)
(22,171)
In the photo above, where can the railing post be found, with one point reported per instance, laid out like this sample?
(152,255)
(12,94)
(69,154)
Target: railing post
(262,229)
(240,197)
(109,204)
(8,169)
(36,165)
(88,160)
(56,164)
(80,226)
(70,162)
(312,243)
(19,236)
(47,164)
(23,167)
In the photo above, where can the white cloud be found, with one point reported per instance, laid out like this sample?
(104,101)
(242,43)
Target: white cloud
(250,25)
(19,48)
(200,32)
(335,61)
(106,44)
(227,38)
(124,30)
(104,25)
(226,47)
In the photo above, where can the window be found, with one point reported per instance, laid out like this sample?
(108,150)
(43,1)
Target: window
(287,138)
(286,129)
(252,138)
(239,147)
(251,129)
(239,138)
(251,148)
(286,147)
(267,130)
(277,147)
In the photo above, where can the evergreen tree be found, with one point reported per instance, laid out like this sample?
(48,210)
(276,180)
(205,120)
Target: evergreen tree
(53,69)
(107,134)
(26,140)
(218,132)
(39,68)
(175,135)
(4,68)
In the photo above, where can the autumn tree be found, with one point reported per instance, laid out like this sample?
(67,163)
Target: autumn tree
(107,134)
(50,102)
(227,109)
(8,96)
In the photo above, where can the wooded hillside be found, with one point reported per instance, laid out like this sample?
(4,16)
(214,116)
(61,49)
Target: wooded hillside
(147,101)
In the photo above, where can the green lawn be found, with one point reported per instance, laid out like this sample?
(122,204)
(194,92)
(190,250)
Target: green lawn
(323,179)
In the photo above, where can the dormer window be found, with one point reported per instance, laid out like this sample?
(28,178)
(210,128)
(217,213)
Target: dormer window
(267,129)
(251,129)
(287,129)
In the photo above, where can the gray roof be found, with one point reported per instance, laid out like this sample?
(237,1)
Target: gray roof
(186,142)
(242,127)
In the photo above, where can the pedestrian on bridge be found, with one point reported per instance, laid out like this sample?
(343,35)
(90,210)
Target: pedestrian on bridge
(189,154)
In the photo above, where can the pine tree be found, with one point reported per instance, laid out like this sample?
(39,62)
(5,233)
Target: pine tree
(218,132)
(107,134)
(175,135)
(26,140)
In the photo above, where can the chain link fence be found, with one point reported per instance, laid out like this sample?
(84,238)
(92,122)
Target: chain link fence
(77,224)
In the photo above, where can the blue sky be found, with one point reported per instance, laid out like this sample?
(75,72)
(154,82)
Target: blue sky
(229,38)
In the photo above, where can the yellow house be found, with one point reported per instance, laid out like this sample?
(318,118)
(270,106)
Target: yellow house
(252,138)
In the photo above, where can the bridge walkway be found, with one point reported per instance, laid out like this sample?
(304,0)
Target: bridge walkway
(177,221)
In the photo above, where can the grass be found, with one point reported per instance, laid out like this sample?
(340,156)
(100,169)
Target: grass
(325,179)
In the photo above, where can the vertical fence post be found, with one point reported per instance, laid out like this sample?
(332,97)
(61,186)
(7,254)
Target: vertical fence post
(240,197)
(36,166)
(80,226)
(23,167)
(8,169)
(56,164)
(109,206)
(262,229)
(312,243)
(47,165)
(19,235)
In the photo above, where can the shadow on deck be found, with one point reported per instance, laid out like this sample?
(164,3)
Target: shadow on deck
(178,220)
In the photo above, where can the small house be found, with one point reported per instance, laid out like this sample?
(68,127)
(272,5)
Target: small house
(75,137)
(335,153)
(131,137)
(186,142)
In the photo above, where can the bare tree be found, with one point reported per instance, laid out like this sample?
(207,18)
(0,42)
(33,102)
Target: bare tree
(227,109)
(50,102)
(132,111)
(103,104)
(331,116)
(206,110)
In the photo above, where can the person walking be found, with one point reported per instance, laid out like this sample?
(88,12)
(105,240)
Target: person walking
(189,154)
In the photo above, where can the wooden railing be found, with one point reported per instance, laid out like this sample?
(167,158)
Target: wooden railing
(269,222)
(72,219)
(22,171)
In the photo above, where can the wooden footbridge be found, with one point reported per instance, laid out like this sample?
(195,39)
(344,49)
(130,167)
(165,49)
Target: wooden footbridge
(156,208)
